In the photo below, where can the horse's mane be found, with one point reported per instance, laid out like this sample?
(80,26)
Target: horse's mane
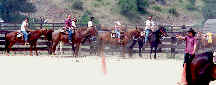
(206,54)
(49,34)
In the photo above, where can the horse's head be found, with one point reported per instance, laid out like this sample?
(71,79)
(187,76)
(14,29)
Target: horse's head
(162,31)
(47,33)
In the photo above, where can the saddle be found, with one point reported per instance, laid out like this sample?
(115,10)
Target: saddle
(19,34)
(113,34)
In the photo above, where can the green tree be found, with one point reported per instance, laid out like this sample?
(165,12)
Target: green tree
(86,17)
(11,10)
(128,7)
(142,5)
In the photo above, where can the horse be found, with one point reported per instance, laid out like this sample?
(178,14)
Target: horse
(202,70)
(154,40)
(11,38)
(77,38)
(105,38)
(48,36)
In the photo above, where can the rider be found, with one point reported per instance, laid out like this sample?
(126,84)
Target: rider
(90,23)
(191,44)
(24,29)
(68,26)
(74,20)
(117,28)
(149,27)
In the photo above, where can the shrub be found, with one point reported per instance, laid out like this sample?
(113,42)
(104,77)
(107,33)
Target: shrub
(173,11)
(128,7)
(142,5)
(78,5)
(85,18)
(190,7)
(156,8)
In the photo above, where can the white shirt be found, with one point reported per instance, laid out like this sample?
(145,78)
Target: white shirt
(73,24)
(90,24)
(23,26)
(149,24)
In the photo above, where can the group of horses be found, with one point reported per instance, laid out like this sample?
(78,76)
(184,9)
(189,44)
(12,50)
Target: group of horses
(82,34)
(203,70)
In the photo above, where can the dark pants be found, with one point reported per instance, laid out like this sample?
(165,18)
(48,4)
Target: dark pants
(188,58)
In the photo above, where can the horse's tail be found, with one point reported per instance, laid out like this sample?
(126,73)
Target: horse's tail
(6,43)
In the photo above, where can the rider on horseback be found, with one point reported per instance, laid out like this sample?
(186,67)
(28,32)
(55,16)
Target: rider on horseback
(191,44)
(68,26)
(117,28)
(90,23)
(149,27)
(24,29)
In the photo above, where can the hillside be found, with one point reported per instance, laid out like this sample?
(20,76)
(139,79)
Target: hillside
(106,11)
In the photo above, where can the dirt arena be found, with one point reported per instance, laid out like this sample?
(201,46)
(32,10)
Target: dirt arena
(88,70)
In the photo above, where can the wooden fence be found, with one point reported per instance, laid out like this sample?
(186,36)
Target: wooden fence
(169,44)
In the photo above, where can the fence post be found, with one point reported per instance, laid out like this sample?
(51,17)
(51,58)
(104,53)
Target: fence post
(41,25)
(173,41)
(53,26)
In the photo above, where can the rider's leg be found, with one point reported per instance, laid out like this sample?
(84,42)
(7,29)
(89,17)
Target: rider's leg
(70,35)
(147,35)
(184,73)
(25,34)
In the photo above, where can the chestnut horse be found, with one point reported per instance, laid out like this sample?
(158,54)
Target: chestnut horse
(11,38)
(105,38)
(78,36)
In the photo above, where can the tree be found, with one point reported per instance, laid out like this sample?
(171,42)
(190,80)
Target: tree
(12,10)
(208,10)
(128,7)
(142,5)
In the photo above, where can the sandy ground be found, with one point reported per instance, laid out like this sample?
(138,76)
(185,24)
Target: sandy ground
(46,70)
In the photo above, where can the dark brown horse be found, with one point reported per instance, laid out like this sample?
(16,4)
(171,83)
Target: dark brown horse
(202,70)
(105,38)
(78,36)
(11,38)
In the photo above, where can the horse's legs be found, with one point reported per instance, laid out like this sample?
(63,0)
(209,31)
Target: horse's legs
(151,51)
(155,52)
(73,49)
(35,48)
(77,49)
(31,46)
(54,47)
(61,44)
(9,48)
(140,42)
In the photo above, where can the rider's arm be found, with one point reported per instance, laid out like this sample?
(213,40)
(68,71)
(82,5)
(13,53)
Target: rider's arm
(195,45)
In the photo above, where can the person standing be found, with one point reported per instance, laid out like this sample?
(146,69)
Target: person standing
(190,49)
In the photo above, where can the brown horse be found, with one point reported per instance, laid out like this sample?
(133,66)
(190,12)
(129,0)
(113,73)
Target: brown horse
(11,38)
(105,38)
(78,36)
(202,70)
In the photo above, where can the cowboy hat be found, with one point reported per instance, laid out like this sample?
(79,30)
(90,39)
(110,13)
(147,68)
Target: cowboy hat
(192,31)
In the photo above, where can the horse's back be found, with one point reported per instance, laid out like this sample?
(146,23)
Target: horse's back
(200,68)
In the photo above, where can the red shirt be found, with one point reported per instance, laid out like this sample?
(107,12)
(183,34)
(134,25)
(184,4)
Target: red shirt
(68,23)
(190,44)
